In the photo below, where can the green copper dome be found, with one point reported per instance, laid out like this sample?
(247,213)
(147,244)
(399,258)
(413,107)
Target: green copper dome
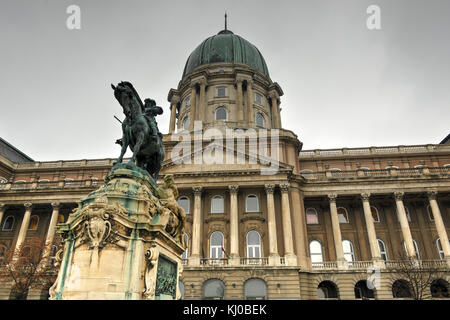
(226,47)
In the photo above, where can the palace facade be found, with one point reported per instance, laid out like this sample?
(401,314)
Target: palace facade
(317,227)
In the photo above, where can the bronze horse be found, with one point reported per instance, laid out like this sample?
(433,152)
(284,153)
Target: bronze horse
(140,130)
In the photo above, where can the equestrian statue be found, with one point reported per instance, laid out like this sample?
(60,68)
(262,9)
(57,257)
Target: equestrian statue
(140,130)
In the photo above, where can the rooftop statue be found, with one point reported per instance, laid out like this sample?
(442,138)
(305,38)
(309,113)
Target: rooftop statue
(140,130)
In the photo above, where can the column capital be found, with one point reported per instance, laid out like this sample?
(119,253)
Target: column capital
(249,82)
(269,188)
(197,191)
(56,205)
(399,195)
(284,187)
(28,205)
(238,81)
(332,197)
(175,100)
(233,189)
(432,194)
(273,95)
(365,196)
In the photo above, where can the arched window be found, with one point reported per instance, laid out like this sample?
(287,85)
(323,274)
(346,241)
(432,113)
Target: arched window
(416,248)
(362,291)
(186,123)
(221,113)
(181,287)
(401,289)
(251,203)
(439,289)
(440,250)
(68,182)
(213,289)
(342,215)
(391,167)
(315,251)
(217,205)
(253,245)
(430,213)
(255,289)
(215,245)
(184,203)
(43,183)
(382,248)
(34,221)
(327,290)
(3,180)
(19,184)
(8,224)
(375,215)
(259,119)
(185,254)
(60,218)
(311,216)
(349,252)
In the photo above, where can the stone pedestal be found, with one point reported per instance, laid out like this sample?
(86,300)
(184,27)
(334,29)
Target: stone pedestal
(124,241)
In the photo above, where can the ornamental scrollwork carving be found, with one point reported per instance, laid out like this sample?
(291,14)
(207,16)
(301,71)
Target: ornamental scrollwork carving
(269,188)
(399,195)
(151,259)
(332,197)
(98,227)
(365,196)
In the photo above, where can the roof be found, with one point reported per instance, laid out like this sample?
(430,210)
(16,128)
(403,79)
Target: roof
(446,140)
(226,47)
(12,153)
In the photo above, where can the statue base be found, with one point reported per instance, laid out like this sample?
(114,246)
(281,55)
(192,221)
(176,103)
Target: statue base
(122,242)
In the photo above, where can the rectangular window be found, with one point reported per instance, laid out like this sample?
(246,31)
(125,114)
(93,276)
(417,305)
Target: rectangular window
(221,91)
(258,98)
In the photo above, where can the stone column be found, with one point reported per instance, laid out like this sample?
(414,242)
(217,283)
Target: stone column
(196,227)
(290,258)
(274,257)
(336,230)
(374,249)
(192,111)
(24,226)
(234,225)
(239,99)
(250,117)
(173,114)
(274,108)
(51,229)
(2,211)
(440,227)
(299,226)
(278,114)
(406,232)
(202,101)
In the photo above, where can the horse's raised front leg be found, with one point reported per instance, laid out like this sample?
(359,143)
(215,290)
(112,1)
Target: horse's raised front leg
(125,143)
(137,146)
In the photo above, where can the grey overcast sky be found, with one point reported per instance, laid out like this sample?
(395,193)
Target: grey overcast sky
(344,85)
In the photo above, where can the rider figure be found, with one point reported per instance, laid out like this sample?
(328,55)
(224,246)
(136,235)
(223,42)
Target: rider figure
(150,111)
